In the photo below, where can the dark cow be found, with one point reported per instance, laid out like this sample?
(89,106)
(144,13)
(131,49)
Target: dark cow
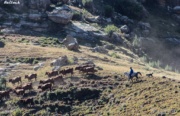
(67,71)
(27,86)
(19,91)
(27,101)
(18,87)
(81,67)
(45,86)
(31,76)
(58,77)
(51,74)
(15,80)
(5,94)
(88,70)
(46,81)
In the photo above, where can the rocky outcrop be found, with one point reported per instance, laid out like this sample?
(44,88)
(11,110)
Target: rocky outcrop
(25,5)
(62,15)
(100,49)
(124,29)
(71,43)
(176,9)
(61,61)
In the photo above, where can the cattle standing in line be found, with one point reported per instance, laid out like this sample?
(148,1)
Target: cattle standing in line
(15,80)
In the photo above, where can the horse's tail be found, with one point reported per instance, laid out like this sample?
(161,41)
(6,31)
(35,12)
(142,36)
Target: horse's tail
(139,73)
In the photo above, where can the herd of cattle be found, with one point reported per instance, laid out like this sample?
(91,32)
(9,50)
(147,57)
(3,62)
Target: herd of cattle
(43,84)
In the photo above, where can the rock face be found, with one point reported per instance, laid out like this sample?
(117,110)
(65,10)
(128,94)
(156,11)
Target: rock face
(71,43)
(2,44)
(124,29)
(100,49)
(61,15)
(32,4)
(61,61)
(177,9)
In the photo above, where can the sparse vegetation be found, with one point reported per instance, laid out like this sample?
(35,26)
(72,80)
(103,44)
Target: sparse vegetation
(136,42)
(110,29)
(17,112)
(135,9)
(114,55)
(87,3)
(168,68)
(49,41)
(108,10)
(155,64)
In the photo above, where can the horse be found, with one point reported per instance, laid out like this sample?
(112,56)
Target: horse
(135,74)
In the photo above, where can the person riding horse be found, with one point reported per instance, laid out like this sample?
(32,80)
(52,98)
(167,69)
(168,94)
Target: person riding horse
(131,72)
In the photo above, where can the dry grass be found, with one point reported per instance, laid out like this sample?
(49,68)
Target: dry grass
(145,98)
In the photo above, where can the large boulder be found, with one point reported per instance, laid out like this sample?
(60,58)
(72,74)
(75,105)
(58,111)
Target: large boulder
(2,44)
(31,4)
(71,43)
(62,15)
(61,61)
(176,9)
(115,37)
(100,49)
(124,29)
(144,25)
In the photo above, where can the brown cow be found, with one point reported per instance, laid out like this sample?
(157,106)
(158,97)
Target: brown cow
(15,80)
(45,86)
(84,66)
(27,86)
(66,71)
(5,94)
(18,87)
(27,101)
(31,76)
(88,70)
(19,91)
(58,77)
(51,74)
(46,81)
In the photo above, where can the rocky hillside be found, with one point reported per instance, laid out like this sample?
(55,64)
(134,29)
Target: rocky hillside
(83,47)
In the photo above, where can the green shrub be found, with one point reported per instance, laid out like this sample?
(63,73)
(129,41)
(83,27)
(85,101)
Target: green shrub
(130,8)
(143,59)
(110,29)
(168,68)
(17,112)
(155,64)
(108,10)
(3,82)
(176,71)
(87,3)
(77,16)
(136,42)
(49,41)
(16,20)
(114,55)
